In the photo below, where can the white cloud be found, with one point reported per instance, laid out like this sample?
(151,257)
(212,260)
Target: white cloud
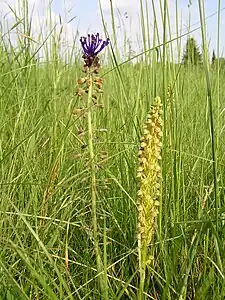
(45,23)
(120,4)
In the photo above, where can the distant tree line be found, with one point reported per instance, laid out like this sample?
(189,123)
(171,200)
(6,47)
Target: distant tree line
(193,56)
(220,61)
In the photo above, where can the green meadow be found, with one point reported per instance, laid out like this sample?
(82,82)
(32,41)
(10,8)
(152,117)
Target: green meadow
(52,220)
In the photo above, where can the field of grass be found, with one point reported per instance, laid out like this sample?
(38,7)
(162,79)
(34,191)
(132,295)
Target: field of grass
(47,239)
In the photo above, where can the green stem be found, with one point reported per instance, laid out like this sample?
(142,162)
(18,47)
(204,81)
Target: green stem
(142,270)
(93,187)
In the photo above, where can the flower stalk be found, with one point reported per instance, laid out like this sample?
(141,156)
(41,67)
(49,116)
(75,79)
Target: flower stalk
(91,85)
(93,177)
(149,175)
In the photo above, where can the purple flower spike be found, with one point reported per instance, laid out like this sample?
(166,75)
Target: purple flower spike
(92,45)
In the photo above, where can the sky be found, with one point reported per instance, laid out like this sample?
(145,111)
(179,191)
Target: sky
(77,17)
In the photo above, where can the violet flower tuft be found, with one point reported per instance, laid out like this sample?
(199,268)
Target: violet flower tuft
(92,45)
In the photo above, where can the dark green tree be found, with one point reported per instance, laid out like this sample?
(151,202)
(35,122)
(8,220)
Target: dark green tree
(213,57)
(192,54)
(218,62)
